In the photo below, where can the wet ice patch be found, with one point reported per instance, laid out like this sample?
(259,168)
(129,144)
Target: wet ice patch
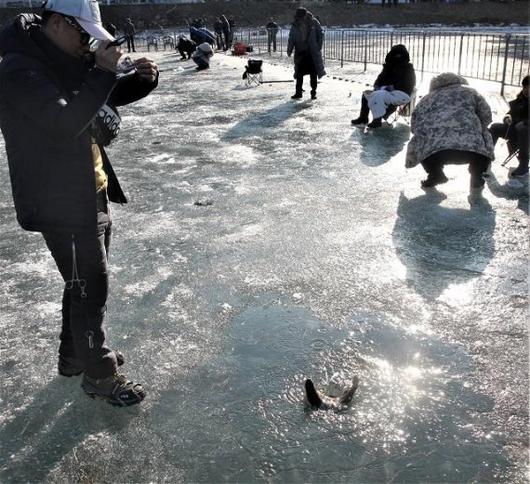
(238,154)
(246,232)
(149,283)
(161,159)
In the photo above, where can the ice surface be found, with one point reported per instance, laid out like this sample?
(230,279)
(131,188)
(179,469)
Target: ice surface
(319,256)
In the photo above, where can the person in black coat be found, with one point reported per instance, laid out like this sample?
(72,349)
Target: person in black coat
(514,129)
(185,46)
(227,33)
(394,86)
(218,29)
(57,113)
(272,32)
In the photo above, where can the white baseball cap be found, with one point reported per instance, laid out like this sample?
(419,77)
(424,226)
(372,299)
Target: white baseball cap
(85,12)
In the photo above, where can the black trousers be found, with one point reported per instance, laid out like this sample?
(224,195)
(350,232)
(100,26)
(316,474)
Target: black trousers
(313,80)
(434,164)
(82,261)
(130,43)
(517,138)
(271,40)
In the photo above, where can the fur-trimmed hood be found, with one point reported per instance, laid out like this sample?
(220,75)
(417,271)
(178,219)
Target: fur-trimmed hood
(446,79)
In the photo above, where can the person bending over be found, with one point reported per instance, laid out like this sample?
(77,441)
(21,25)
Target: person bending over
(185,46)
(450,126)
(202,56)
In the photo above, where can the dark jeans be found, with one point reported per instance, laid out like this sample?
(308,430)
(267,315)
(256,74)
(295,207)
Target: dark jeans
(516,136)
(82,261)
(271,40)
(434,164)
(201,63)
(130,43)
(313,82)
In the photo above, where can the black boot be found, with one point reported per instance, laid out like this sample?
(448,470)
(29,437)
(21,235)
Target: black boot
(313,94)
(376,123)
(363,115)
(297,95)
(434,179)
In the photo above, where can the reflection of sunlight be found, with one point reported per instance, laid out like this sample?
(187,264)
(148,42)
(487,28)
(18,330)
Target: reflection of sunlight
(458,294)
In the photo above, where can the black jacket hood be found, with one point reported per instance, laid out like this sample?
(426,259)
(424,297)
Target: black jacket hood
(398,54)
(17,38)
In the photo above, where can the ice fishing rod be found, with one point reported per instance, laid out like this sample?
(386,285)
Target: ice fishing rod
(270,82)
(510,157)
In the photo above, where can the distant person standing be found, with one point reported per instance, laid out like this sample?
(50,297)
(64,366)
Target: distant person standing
(226,32)
(272,32)
(232,23)
(218,29)
(306,38)
(129,30)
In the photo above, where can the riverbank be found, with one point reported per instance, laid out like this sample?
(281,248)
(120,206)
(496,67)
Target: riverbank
(255,13)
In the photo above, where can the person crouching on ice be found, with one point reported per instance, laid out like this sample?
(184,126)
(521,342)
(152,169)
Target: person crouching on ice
(202,55)
(450,126)
(393,87)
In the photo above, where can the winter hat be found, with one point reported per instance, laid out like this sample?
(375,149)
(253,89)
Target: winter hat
(526,81)
(85,12)
(446,79)
(300,12)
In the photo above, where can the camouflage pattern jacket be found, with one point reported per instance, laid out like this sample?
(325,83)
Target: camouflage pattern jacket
(452,116)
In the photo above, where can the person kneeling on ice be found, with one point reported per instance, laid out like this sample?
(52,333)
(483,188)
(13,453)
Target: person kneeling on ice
(392,88)
(202,55)
(514,128)
(450,126)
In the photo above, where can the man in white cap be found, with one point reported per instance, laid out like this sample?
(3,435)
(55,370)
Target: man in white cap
(57,113)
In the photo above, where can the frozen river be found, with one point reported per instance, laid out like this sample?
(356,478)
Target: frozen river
(312,252)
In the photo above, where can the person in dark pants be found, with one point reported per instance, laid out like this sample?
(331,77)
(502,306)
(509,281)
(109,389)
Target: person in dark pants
(218,29)
(57,113)
(394,86)
(514,129)
(185,46)
(227,33)
(306,38)
(272,32)
(450,126)
(130,31)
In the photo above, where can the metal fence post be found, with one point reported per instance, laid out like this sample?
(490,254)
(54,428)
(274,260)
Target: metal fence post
(460,53)
(365,49)
(423,56)
(342,48)
(281,42)
(506,51)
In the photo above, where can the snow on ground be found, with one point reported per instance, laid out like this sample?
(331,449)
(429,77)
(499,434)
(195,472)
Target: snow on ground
(312,252)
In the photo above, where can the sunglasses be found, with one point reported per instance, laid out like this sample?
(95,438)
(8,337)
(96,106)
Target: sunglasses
(84,36)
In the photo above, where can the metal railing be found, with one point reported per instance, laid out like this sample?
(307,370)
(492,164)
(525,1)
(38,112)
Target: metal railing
(502,58)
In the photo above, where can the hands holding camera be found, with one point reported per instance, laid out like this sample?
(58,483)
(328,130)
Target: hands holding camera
(108,56)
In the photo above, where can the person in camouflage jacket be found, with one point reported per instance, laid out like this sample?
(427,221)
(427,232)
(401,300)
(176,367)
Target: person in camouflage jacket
(450,126)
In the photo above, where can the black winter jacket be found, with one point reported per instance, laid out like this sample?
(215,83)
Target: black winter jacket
(397,71)
(519,109)
(48,101)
